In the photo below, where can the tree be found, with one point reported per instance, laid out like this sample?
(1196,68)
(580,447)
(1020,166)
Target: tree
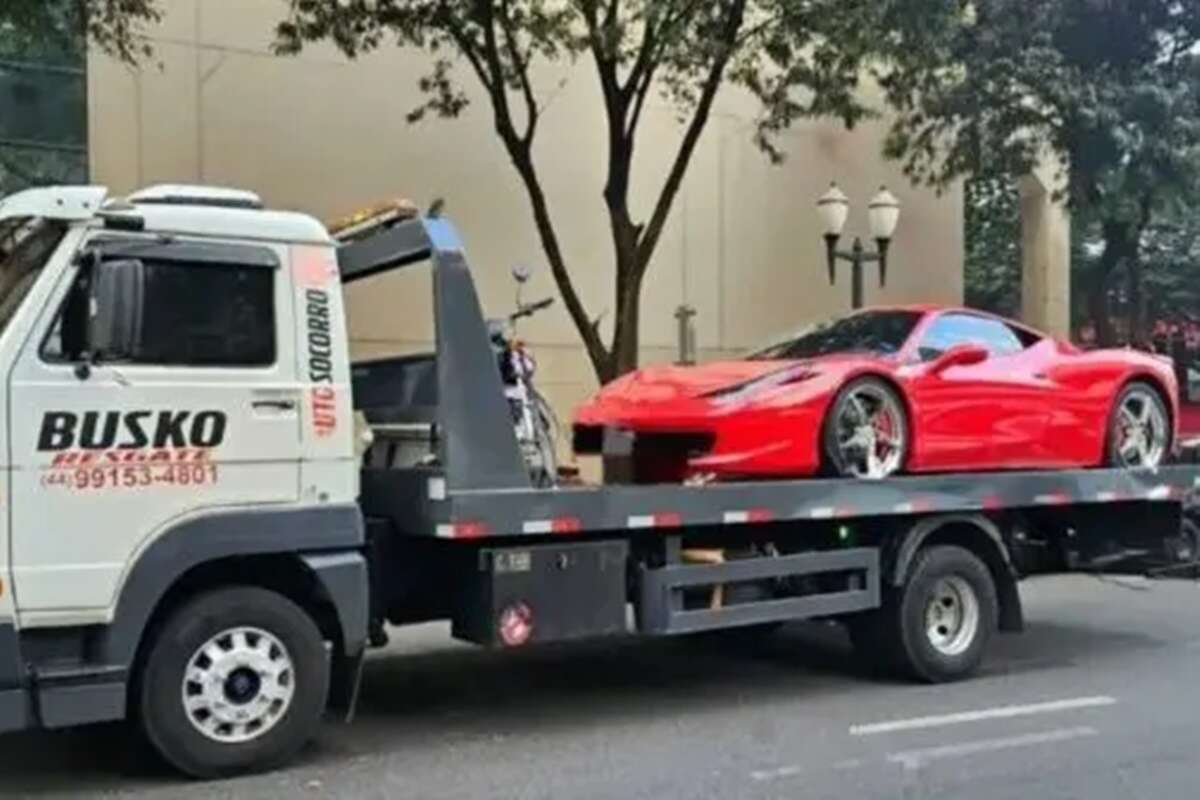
(992,238)
(38,38)
(1110,87)
(50,28)
(798,58)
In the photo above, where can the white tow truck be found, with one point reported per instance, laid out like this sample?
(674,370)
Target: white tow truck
(191,540)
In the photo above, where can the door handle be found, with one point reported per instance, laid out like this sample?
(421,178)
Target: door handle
(276,405)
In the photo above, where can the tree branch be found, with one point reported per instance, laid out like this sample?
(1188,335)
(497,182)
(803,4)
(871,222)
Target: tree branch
(691,137)
(639,100)
(520,151)
(558,268)
(606,65)
(521,68)
(467,47)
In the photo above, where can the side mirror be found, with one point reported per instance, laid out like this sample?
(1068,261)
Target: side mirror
(115,309)
(960,355)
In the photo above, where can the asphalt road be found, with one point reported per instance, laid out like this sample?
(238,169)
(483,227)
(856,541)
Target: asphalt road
(1097,700)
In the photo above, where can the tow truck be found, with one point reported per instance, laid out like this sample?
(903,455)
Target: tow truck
(198,538)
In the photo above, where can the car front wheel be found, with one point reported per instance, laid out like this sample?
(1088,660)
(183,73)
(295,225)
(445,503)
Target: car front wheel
(866,432)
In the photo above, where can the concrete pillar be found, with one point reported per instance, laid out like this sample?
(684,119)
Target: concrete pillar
(1045,253)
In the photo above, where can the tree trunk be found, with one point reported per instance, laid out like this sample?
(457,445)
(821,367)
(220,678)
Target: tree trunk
(1119,248)
(1137,316)
(1097,305)
(627,325)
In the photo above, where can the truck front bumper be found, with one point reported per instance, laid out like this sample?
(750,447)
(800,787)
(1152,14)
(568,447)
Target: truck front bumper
(16,708)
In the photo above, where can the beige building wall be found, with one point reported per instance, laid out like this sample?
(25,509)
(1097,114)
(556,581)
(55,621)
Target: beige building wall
(324,135)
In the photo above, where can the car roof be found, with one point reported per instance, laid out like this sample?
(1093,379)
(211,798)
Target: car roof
(937,308)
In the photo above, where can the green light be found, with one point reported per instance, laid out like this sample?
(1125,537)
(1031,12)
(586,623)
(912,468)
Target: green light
(844,533)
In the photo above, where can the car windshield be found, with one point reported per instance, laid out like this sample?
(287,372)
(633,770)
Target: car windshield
(26,244)
(881,332)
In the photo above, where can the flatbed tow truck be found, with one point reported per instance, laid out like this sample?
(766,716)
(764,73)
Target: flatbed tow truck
(193,539)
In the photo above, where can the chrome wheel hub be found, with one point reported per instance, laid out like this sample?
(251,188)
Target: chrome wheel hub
(870,431)
(1142,430)
(952,616)
(238,685)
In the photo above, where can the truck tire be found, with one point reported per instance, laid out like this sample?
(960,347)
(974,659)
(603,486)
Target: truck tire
(235,681)
(937,626)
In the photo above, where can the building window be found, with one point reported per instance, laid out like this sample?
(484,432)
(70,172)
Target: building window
(43,101)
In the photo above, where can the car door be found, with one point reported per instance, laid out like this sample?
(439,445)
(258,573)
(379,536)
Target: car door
(989,415)
(204,416)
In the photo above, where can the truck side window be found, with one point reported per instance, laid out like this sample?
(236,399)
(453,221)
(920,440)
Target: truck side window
(208,315)
(194,314)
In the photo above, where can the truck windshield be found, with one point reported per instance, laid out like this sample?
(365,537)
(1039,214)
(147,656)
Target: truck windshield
(26,244)
(880,332)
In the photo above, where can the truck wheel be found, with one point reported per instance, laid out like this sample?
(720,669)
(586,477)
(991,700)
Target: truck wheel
(235,681)
(937,626)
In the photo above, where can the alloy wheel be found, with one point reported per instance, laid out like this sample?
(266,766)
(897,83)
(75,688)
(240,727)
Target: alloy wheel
(870,432)
(1142,430)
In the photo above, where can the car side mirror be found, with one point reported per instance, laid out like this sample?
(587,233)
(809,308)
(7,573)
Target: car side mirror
(115,309)
(960,355)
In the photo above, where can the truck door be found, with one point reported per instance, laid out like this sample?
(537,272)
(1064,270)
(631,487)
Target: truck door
(203,414)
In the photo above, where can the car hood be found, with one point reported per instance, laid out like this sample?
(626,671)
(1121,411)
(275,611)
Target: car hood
(665,383)
(662,385)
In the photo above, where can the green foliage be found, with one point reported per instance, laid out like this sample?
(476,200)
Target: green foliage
(1110,88)
(52,30)
(992,238)
(1169,262)
(799,59)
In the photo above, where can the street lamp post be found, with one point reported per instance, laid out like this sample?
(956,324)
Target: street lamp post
(883,213)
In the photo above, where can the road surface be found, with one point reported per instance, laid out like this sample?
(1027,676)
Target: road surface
(1097,700)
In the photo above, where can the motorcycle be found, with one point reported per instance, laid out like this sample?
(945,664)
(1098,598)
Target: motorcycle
(533,420)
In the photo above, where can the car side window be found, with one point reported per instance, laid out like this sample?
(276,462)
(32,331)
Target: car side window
(951,329)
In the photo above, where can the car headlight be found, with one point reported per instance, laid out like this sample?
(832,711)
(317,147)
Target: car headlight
(740,392)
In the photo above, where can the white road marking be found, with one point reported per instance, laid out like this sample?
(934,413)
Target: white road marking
(776,774)
(999,712)
(915,759)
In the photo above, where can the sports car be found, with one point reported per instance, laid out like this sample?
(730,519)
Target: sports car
(908,389)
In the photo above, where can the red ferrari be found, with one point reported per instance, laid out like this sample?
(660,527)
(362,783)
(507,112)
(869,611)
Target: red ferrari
(909,389)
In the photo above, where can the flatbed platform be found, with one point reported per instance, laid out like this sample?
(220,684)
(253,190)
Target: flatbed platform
(419,502)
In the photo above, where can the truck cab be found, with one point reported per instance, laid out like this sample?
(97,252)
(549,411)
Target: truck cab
(178,412)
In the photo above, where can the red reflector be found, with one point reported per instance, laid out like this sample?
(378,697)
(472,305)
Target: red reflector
(565,525)
(759,515)
(991,501)
(470,530)
(516,624)
(667,520)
